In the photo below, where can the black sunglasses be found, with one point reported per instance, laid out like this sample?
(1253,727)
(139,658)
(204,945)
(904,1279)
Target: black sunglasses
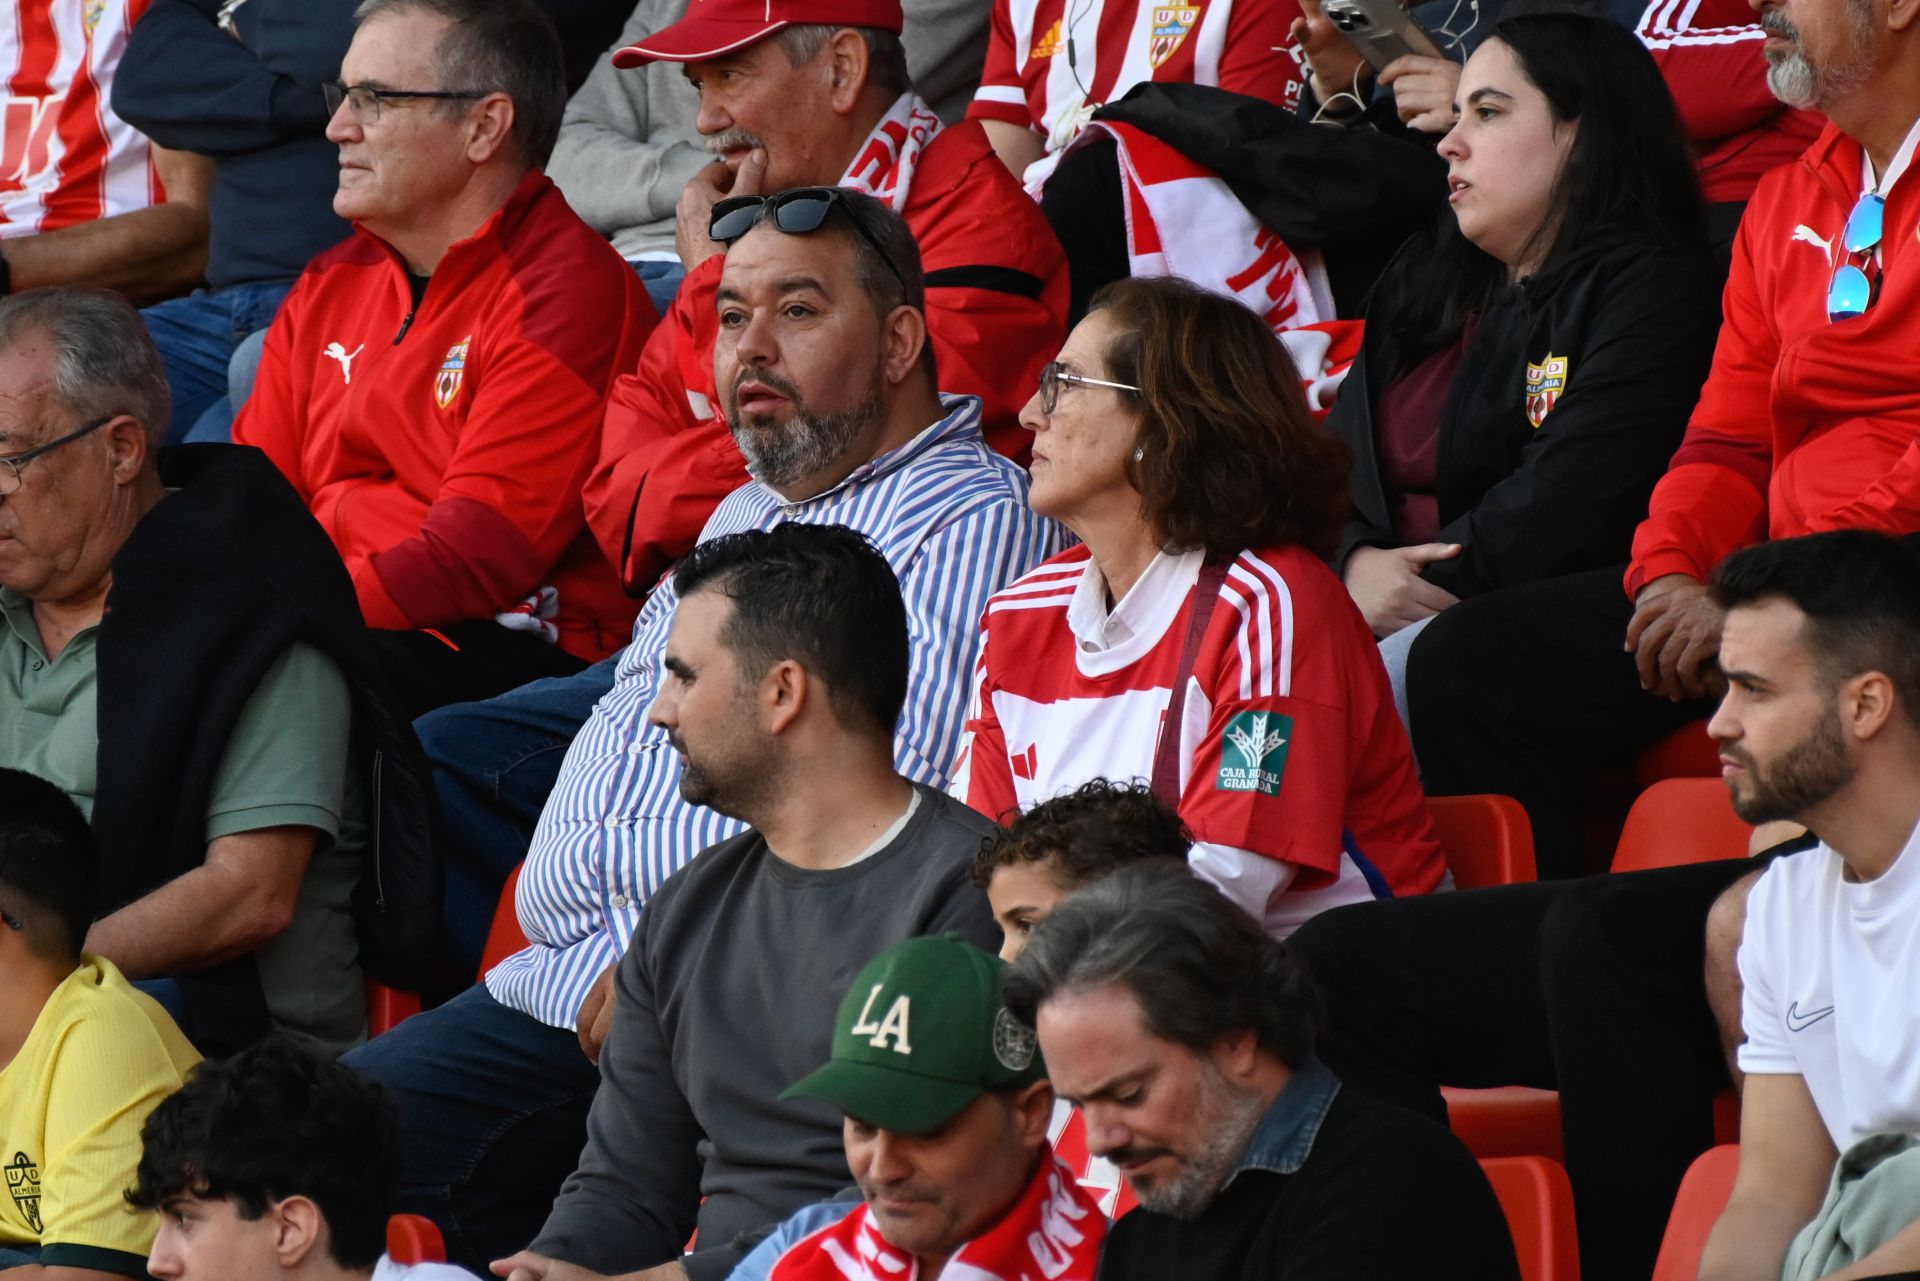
(796,212)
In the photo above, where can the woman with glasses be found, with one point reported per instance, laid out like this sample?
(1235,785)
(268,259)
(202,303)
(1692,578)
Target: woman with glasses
(1531,362)
(1196,638)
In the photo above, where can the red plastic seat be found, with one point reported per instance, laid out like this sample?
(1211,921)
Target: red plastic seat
(1487,839)
(506,937)
(1538,1202)
(1508,1120)
(1678,821)
(1688,752)
(387,1006)
(1696,1207)
(412,1238)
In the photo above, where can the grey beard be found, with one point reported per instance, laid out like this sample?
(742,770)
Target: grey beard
(1187,1194)
(779,456)
(1793,80)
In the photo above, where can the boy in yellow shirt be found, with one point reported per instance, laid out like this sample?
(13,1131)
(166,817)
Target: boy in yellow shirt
(84,1056)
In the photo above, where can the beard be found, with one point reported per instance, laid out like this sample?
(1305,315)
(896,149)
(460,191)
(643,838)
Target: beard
(1801,777)
(734,787)
(1233,1116)
(778,455)
(1798,81)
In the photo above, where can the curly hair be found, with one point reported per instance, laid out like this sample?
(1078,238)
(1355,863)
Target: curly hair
(1086,833)
(1229,455)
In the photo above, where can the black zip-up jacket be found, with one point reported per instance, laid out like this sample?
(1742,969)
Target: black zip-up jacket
(1636,325)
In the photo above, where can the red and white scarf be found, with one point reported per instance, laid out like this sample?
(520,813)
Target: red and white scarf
(884,165)
(1054,1231)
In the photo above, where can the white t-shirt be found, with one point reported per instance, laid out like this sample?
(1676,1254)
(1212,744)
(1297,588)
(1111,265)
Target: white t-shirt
(1832,974)
(388,1270)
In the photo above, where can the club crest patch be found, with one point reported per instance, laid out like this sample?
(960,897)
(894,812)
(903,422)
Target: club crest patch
(1169,31)
(1545,382)
(23,1185)
(1254,757)
(1013,1041)
(446,384)
(1049,44)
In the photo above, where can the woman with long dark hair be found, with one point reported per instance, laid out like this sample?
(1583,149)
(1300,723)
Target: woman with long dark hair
(1531,362)
(1196,639)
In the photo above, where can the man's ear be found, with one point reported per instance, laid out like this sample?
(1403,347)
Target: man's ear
(490,128)
(903,340)
(1033,1113)
(848,63)
(299,1230)
(784,692)
(1236,1054)
(1901,14)
(1866,704)
(127,447)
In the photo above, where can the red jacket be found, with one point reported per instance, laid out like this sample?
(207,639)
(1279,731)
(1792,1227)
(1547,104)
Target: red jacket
(444,448)
(996,307)
(1709,52)
(1804,425)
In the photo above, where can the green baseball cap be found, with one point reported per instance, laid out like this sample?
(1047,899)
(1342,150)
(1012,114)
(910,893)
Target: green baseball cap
(920,1034)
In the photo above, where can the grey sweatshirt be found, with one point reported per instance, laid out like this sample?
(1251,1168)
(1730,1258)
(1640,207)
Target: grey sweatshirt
(726,997)
(627,142)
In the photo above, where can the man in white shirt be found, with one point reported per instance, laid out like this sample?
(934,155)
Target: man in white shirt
(274,1163)
(1818,726)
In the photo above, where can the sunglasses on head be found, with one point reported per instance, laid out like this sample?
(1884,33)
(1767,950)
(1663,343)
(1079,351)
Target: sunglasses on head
(1851,291)
(796,212)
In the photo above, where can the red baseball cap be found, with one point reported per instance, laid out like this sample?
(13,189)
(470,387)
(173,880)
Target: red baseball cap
(715,28)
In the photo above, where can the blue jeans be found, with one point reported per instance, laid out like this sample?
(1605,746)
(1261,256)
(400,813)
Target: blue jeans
(662,281)
(493,1114)
(493,765)
(19,1256)
(197,336)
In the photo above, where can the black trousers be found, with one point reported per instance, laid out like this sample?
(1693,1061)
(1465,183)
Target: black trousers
(1592,987)
(1525,692)
(464,663)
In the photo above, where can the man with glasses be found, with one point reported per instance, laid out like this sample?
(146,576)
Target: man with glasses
(822,352)
(84,1057)
(434,386)
(204,721)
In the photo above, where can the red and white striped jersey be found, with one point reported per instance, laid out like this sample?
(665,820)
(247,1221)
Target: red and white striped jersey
(67,157)
(1289,746)
(1050,62)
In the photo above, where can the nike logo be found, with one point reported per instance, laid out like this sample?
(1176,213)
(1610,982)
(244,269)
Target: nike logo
(1798,1022)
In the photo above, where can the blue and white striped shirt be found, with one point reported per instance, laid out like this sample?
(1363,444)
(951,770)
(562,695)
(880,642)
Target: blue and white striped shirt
(952,519)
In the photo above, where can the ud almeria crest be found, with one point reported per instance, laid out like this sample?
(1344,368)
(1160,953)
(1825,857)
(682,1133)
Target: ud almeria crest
(1169,31)
(1255,754)
(23,1185)
(447,384)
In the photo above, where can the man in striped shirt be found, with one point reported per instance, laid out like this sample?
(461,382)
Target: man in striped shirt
(830,391)
(84,199)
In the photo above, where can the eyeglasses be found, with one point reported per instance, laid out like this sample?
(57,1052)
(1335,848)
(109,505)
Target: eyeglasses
(1055,375)
(11,465)
(367,102)
(11,921)
(796,212)
(1850,292)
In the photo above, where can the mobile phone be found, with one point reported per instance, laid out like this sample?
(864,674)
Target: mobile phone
(1379,29)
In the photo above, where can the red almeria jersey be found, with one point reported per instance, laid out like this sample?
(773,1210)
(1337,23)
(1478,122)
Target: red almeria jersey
(65,158)
(1049,59)
(1289,748)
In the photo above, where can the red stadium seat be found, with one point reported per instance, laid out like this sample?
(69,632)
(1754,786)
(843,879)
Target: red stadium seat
(1487,839)
(1686,753)
(1538,1202)
(1678,821)
(1703,1195)
(505,938)
(413,1239)
(388,1006)
(1506,1121)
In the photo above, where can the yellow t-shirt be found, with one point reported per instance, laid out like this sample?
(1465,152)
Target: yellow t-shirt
(100,1057)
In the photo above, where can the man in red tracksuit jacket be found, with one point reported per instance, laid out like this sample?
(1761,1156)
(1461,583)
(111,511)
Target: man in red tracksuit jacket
(434,386)
(996,278)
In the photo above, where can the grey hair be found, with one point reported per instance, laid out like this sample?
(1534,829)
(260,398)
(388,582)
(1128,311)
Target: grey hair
(1201,969)
(104,359)
(886,56)
(497,46)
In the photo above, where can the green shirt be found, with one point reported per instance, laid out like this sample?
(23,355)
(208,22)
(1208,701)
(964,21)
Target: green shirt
(285,765)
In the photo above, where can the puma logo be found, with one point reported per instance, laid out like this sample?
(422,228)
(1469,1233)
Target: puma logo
(336,351)
(1814,238)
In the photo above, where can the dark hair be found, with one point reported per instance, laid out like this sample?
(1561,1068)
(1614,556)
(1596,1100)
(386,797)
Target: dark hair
(499,46)
(1859,590)
(1231,458)
(820,594)
(1629,172)
(1087,833)
(1200,968)
(47,865)
(275,1121)
(886,55)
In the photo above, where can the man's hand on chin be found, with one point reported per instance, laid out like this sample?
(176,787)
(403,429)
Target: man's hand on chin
(693,217)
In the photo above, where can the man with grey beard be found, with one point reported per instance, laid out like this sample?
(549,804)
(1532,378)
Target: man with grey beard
(1184,1035)
(822,355)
